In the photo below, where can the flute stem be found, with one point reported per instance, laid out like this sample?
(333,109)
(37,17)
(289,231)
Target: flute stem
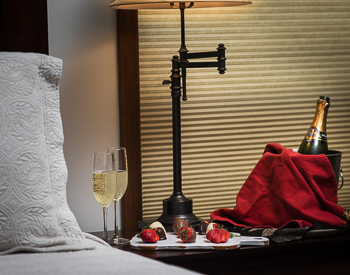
(116,229)
(105,233)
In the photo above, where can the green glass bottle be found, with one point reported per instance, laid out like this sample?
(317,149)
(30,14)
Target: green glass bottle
(315,140)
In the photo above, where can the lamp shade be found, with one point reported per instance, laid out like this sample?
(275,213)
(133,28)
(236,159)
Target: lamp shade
(166,4)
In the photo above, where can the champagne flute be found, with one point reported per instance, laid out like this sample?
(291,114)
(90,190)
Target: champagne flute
(121,166)
(103,183)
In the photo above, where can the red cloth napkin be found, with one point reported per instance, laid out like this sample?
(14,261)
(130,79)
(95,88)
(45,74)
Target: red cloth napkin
(286,189)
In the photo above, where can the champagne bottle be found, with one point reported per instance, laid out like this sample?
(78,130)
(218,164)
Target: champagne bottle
(315,140)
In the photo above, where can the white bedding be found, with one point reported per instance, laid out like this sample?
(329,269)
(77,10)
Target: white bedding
(103,260)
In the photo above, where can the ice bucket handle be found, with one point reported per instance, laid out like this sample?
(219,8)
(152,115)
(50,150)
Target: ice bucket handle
(342,179)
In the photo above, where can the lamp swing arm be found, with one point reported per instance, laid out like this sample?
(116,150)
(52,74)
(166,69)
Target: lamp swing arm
(220,64)
(184,63)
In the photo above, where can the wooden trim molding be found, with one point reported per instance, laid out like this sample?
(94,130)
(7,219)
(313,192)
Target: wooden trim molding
(129,112)
(23,26)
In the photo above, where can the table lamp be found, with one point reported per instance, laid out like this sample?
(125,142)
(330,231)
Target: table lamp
(177,205)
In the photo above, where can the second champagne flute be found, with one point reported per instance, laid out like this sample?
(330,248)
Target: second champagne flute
(121,166)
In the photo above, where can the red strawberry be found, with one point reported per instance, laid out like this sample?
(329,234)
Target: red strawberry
(210,235)
(218,235)
(187,234)
(227,235)
(149,236)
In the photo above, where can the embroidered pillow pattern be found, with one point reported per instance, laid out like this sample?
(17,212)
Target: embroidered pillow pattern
(34,214)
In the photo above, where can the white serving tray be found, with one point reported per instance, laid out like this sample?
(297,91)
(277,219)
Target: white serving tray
(174,243)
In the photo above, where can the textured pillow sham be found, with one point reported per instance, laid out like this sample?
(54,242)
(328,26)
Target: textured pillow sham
(34,214)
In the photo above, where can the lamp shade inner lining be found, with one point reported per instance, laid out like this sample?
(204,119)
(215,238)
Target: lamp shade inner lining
(165,4)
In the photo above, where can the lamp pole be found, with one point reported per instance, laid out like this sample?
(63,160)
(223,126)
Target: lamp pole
(177,205)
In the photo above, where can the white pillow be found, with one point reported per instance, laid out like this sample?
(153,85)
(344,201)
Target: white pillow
(34,214)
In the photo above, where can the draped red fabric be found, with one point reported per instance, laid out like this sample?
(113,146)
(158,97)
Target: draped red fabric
(286,189)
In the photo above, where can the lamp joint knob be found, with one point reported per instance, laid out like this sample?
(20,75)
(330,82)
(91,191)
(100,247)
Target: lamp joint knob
(166,82)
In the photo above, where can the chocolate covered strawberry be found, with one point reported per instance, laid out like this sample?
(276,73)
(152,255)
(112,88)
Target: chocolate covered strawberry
(160,230)
(211,226)
(203,227)
(187,234)
(178,223)
(149,236)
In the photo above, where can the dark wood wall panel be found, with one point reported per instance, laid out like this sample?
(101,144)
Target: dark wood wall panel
(129,111)
(23,26)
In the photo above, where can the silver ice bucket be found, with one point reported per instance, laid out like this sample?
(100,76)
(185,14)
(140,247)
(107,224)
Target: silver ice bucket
(335,159)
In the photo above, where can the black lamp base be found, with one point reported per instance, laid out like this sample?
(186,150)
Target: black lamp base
(177,207)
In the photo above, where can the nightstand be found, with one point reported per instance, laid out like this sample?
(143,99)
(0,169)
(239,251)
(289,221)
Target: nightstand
(318,255)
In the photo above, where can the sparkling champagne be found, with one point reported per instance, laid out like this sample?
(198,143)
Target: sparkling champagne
(122,183)
(315,140)
(104,187)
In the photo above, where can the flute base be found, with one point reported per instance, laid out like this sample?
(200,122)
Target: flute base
(118,241)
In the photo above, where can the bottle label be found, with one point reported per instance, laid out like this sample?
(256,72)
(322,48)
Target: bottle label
(315,134)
